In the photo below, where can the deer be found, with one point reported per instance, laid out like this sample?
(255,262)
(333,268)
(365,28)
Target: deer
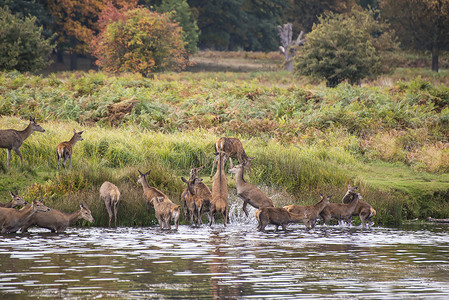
(312,212)
(110,194)
(277,216)
(12,139)
(363,209)
(341,211)
(12,220)
(249,193)
(57,221)
(232,147)
(165,212)
(15,201)
(186,197)
(198,198)
(64,150)
(219,201)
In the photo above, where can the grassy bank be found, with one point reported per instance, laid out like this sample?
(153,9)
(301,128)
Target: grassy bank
(388,136)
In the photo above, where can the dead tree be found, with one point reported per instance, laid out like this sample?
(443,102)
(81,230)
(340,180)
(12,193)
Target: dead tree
(289,46)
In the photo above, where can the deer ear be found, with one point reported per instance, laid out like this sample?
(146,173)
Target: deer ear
(81,132)
(146,174)
(321,195)
(12,195)
(200,168)
(140,173)
(184,180)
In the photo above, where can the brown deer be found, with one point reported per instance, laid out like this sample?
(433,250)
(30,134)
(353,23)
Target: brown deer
(64,150)
(58,221)
(165,213)
(219,201)
(232,147)
(12,139)
(363,209)
(341,211)
(110,194)
(249,193)
(15,201)
(186,196)
(198,198)
(312,212)
(277,216)
(12,220)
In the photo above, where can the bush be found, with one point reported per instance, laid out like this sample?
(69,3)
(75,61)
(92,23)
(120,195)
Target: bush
(138,40)
(22,45)
(344,47)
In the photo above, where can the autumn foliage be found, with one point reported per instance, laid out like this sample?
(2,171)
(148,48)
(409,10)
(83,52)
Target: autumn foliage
(138,40)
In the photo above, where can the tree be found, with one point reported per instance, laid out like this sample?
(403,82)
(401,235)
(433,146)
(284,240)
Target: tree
(138,40)
(420,24)
(22,45)
(182,14)
(345,47)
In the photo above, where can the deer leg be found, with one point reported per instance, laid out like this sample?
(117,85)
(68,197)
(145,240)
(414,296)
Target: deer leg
(9,156)
(212,215)
(213,166)
(231,165)
(107,201)
(244,207)
(225,217)
(115,213)
(70,160)
(19,154)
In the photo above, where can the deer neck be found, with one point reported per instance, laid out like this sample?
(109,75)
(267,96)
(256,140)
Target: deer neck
(24,134)
(7,204)
(73,217)
(320,206)
(145,184)
(73,140)
(27,211)
(353,202)
(239,180)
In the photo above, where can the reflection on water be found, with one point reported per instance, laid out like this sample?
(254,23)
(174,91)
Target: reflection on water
(233,262)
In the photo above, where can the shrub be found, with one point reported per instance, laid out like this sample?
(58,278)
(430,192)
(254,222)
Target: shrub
(22,45)
(138,40)
(344,47)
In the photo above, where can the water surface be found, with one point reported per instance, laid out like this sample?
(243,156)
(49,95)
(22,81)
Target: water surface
(232,262)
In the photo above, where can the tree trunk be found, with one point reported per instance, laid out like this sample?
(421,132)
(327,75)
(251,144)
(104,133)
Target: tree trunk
(73,61)
(60,56)
(435,55)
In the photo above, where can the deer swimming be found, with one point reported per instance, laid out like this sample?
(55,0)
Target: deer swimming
(58,221)
(312,212)
(110,194)
(12,139)
(363,209)
(12,220)
(341,211)
(15,201)
(249,193)
(232,147)
(165,212)
(64,150)
(219,202)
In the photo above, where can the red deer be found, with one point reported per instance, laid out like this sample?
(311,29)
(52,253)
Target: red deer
(64,150)
(110,194)
(165,212)
(233,148)
(199,197)
(186,196)
(312,212)
(363,209)
(277,216)
(219,201)
(249,193)
(58,221)
(12,139)
(15,201)
(341,211)
(12,220)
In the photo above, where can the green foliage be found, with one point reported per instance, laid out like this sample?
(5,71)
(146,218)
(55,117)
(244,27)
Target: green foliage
(22,45)
(182,14)
(344,47)
(138,40)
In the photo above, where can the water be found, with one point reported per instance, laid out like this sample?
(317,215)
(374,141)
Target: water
(227,263)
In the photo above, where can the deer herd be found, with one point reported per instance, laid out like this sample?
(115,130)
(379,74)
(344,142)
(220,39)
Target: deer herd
(196,198)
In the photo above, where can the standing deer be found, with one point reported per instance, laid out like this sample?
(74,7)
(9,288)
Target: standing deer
(249,193)
(110,194)
(12,139)
(233,148)
(363,209)
(58,221)
(198,198)
(12,220)
(64,150)
(341,211)
(277,216)
(165,212)
(186,196)
(219,202)
(312,212)
(15,201)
